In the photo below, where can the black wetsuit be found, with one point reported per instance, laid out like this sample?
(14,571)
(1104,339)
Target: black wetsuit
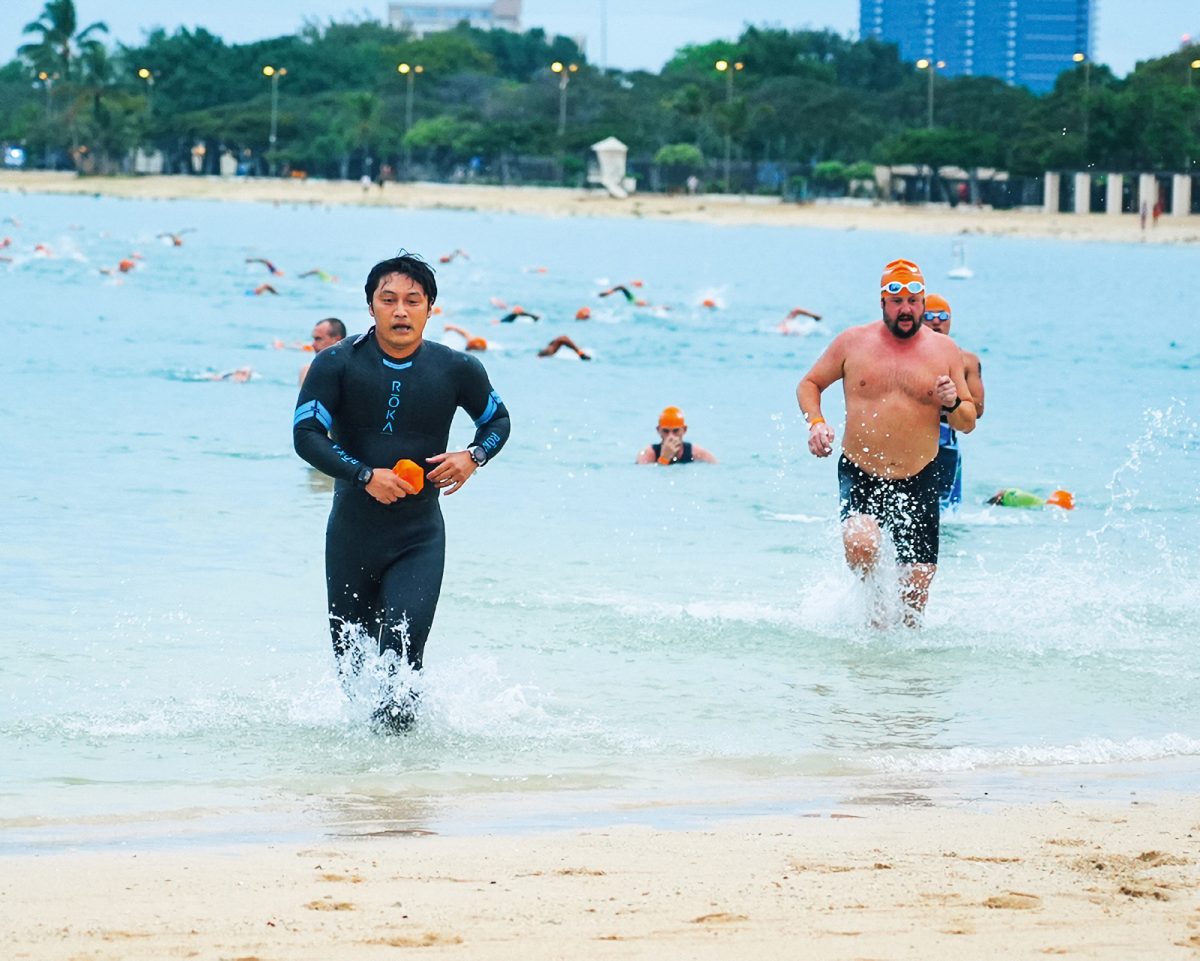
(357,406)
(685,455)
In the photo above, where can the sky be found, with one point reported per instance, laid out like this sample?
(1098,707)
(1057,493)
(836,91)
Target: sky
(641,34)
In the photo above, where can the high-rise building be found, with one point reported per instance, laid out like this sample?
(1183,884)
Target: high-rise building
(1028,42)
(430,17)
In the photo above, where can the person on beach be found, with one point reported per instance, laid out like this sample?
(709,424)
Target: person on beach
(938,317)
(325,334)
(671,447)
(368,403)
(897,380)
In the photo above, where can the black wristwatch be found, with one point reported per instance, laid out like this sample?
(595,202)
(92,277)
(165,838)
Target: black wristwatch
(951,410)
(363,477)
(478,455)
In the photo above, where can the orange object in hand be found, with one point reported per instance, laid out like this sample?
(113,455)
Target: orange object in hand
(411,472)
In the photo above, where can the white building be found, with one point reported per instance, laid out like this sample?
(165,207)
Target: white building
(430,17)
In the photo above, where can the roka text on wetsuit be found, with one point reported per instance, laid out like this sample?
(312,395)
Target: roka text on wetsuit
(359,407)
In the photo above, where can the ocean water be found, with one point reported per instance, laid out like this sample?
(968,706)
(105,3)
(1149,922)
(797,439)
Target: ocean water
(613,642)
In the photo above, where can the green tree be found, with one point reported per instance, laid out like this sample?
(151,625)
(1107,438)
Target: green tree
(61,43)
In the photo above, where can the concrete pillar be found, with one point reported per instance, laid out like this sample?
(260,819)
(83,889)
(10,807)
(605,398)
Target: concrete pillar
(1083,193)
(1113,193)
(1050,194)
(1147,192)
(1181,195)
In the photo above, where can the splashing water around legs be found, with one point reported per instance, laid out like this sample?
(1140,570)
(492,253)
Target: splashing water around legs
(380,675)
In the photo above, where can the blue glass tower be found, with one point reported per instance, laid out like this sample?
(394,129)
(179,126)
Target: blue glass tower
(1027,42)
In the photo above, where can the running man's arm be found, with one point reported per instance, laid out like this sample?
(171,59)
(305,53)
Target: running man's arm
(316,408)
(826,371)
(962,417)
(453,469)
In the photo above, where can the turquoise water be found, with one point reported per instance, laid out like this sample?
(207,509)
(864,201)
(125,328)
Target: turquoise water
(611,638)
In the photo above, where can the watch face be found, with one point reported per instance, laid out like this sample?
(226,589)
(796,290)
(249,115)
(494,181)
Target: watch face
(478,455)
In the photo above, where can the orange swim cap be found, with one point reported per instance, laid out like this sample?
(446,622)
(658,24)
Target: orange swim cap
(671,417)
(903,272)
(476,343)
(1063,499)
(937,302)
(125,266)
(583,313)
(708,302)
(410,471)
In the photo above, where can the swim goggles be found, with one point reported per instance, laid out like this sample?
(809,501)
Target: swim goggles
(895,287)
(937,315)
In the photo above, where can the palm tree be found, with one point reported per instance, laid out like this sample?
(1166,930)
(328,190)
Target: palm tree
(61,45)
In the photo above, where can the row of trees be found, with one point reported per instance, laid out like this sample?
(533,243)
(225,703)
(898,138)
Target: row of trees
(482,98)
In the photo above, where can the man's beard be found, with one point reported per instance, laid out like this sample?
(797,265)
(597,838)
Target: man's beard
(894,326)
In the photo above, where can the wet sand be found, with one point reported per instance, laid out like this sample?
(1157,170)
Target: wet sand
(563,202)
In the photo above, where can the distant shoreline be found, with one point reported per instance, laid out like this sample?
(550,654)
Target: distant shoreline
(713,209)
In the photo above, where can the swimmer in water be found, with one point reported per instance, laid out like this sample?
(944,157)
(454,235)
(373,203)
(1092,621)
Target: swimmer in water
(262,289)
(1015,497)
(325,334)
(320,274)
(275,271)
(671,447)
(473,342)
(239,375)
(517,312)
(447,258)
(558,343)
(176,238)
(788,326)
(938,318)
(619,289)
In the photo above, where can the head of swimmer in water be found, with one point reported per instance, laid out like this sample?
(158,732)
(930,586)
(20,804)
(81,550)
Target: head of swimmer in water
(326,333)
(671,423)
(902,297)
(400,295)
(937,314)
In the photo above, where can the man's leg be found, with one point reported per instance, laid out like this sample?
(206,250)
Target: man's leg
(860,541)
(914,590)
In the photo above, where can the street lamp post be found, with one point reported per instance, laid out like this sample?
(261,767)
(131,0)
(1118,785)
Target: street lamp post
(729,68)
(1192,68)
(933,66)
(409,72)
(47,81)
(274,73)
(564,71)
(1087,97)
(148,75)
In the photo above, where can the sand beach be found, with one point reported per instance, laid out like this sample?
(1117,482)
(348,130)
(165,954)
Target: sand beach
(565,202)
(1097,881)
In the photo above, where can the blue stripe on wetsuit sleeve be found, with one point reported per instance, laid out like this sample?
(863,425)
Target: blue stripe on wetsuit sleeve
(489,412)
(314,408)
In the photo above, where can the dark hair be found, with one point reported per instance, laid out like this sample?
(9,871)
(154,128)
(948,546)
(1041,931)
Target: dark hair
(336,325)
(410,265)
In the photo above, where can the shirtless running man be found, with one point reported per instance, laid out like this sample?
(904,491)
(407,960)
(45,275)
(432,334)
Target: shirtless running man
(897,380)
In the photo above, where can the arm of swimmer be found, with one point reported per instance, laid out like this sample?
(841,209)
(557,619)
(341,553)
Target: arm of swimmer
(963,418)
(826,371)
(973,367)
(646,456)
(316,410)
(702,455)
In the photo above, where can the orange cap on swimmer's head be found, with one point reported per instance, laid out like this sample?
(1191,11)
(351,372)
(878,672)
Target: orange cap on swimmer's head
(670,418)
(937,302)
(583,313)
(902,272)
(1063,499)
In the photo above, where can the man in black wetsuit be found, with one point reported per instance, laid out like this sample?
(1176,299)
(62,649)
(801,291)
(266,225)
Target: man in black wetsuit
(368,402)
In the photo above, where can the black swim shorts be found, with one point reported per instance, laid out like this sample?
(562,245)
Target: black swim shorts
(906,507)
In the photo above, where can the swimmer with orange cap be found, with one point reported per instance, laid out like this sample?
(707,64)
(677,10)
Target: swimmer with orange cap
(897,379)
(671,447)
(560,342)
(473,342)
(938,318)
